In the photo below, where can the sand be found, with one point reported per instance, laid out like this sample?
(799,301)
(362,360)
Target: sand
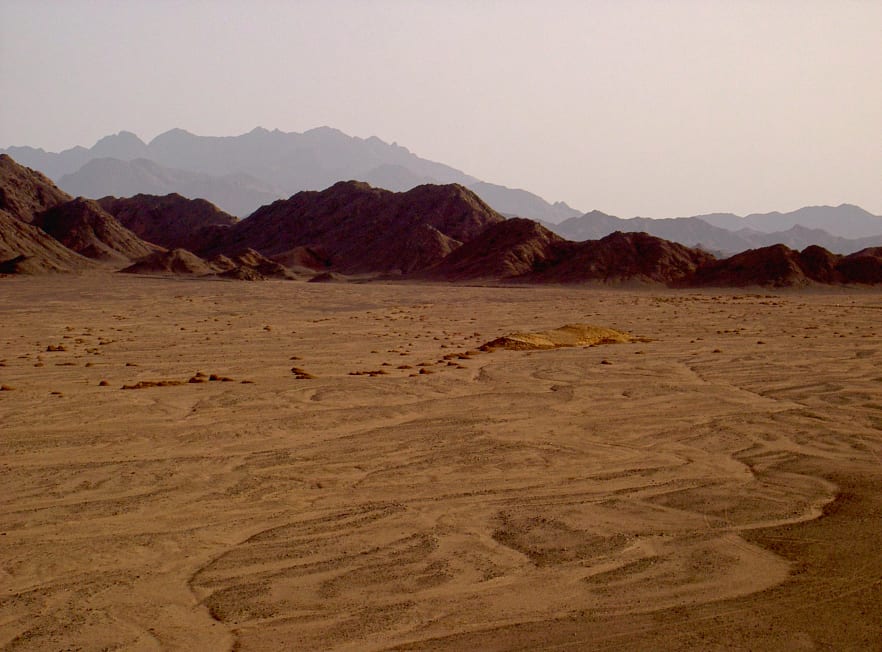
(339,467)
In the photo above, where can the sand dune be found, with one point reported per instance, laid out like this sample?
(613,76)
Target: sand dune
(713,486)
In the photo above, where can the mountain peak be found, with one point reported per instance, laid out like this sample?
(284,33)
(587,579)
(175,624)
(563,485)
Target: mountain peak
(176,134)
(325,131)
(123,145)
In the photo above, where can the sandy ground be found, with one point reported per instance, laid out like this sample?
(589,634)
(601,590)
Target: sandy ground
(716,487)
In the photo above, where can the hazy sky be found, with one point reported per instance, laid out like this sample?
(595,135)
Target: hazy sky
(645,107)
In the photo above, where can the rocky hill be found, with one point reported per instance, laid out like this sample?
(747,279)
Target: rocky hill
(24,192)
(505,250)
(780,266)
(27,249)
(171,221)
(84,227)
(438,232)
(625,257)
(360,229)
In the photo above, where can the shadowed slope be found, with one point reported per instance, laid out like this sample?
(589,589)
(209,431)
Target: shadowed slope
(24,193)
(624,257)
(776,266)
(863,267)
(26,249)
(365,229)
(508,249)
(83,226)
(170,221)
(176,261)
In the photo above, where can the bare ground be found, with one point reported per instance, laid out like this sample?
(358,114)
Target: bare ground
(338,467)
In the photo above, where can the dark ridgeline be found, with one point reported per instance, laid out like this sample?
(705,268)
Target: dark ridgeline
(431,232)
(360,229)
(83,226)
(170,221)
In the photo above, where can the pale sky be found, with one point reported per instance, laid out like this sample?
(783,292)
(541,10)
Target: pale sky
(658,108)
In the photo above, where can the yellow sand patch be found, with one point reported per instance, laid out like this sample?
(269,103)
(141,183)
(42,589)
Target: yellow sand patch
(569,335)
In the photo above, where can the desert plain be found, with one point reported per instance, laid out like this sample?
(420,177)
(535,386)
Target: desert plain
(340,467)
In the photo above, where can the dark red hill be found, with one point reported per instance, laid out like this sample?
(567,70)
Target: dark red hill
(83,226)
(505,250)
(27,249)
(624,257)
(170,221)
(360,229)
(776,266)
(863,267)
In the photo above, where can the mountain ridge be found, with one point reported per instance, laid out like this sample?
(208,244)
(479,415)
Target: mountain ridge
(283,162)
(431,232)
(698,232)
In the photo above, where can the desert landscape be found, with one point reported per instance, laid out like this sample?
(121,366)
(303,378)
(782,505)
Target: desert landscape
(213,464)
(440,326)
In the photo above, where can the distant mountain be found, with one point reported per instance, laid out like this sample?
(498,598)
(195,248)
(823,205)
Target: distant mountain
(697,232)
(844,221)
(240,193)
(396,178)
(242,173)
(800,237)
(520,203)
(686,231)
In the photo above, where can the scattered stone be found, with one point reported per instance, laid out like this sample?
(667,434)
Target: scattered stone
(376,372)
(144,384)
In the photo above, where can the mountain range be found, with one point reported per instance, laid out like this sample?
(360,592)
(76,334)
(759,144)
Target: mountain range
(436,232)
(242,173)
(841,229)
